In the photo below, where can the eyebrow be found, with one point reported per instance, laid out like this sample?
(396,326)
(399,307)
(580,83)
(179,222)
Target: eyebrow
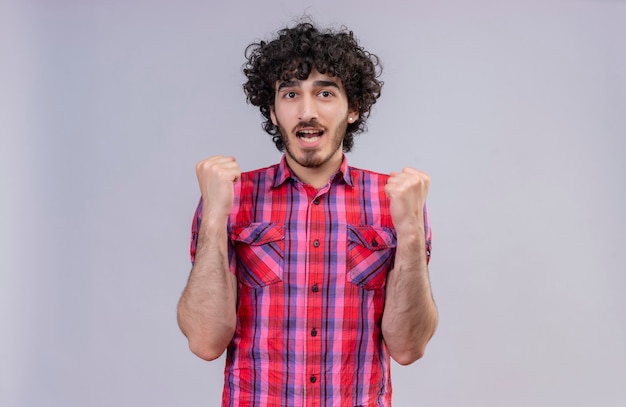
(316,84)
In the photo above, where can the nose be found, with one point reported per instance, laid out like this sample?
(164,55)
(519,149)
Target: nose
(308,109)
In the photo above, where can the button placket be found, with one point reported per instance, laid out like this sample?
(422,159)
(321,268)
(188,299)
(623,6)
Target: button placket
(316,247)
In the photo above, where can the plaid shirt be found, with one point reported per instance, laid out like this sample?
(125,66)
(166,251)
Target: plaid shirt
(311,268)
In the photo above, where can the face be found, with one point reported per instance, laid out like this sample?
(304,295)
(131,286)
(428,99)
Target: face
(312,116)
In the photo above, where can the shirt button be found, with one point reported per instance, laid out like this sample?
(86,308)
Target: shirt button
(313,332)
(316,243)
(315,288)
(374,243)
(313,379)
(316,201)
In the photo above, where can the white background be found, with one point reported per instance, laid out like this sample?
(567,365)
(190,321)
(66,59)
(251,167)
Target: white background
(517,109)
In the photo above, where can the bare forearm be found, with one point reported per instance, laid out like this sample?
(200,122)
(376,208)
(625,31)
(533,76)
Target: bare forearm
(207,308)
(410,315)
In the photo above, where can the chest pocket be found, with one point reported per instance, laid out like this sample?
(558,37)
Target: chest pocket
(260,252)
(371,251)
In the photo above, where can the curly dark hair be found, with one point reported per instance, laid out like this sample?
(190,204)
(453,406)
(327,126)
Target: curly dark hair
(298,50)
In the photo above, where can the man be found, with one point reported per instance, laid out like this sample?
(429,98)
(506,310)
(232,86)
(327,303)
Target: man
(311,273)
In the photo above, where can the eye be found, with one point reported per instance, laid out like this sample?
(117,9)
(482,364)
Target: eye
(290,95)
(326,94)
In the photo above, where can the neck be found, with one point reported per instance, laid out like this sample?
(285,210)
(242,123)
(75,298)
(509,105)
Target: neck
(317,177)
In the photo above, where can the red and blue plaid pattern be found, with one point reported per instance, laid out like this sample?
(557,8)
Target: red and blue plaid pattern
(311,268)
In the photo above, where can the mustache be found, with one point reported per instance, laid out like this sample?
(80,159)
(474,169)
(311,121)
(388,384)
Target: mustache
(312,123)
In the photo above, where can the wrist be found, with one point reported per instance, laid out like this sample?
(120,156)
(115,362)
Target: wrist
(412,229)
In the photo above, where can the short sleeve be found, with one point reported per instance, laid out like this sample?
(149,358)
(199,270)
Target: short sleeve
(427,234)
(195,230)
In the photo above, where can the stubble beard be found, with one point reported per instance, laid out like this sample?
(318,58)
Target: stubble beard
(312,158)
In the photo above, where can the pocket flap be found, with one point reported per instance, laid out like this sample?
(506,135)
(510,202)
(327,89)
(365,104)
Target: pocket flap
(374,238)
(256,234)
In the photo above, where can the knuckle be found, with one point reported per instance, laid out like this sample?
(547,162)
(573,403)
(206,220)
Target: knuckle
(200,167)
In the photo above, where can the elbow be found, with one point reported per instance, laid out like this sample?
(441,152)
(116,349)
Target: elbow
(406,350)
(207,341)
(206,351)
(408,347)
(209,344)
(409,356)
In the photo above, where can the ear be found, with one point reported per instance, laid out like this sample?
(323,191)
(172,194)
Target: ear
(273,116)
(353,115)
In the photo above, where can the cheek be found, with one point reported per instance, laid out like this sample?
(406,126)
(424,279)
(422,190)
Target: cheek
(280,114)
(337,113)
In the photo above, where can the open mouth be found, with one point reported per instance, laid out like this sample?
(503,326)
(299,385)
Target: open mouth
(310,136)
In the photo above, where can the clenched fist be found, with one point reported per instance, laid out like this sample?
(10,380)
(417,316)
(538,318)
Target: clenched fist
(407,191)
(216,178)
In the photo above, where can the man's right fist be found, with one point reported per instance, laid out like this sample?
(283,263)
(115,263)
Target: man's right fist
(216,178)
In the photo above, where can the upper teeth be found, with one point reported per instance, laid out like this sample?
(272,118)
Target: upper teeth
(309,131)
